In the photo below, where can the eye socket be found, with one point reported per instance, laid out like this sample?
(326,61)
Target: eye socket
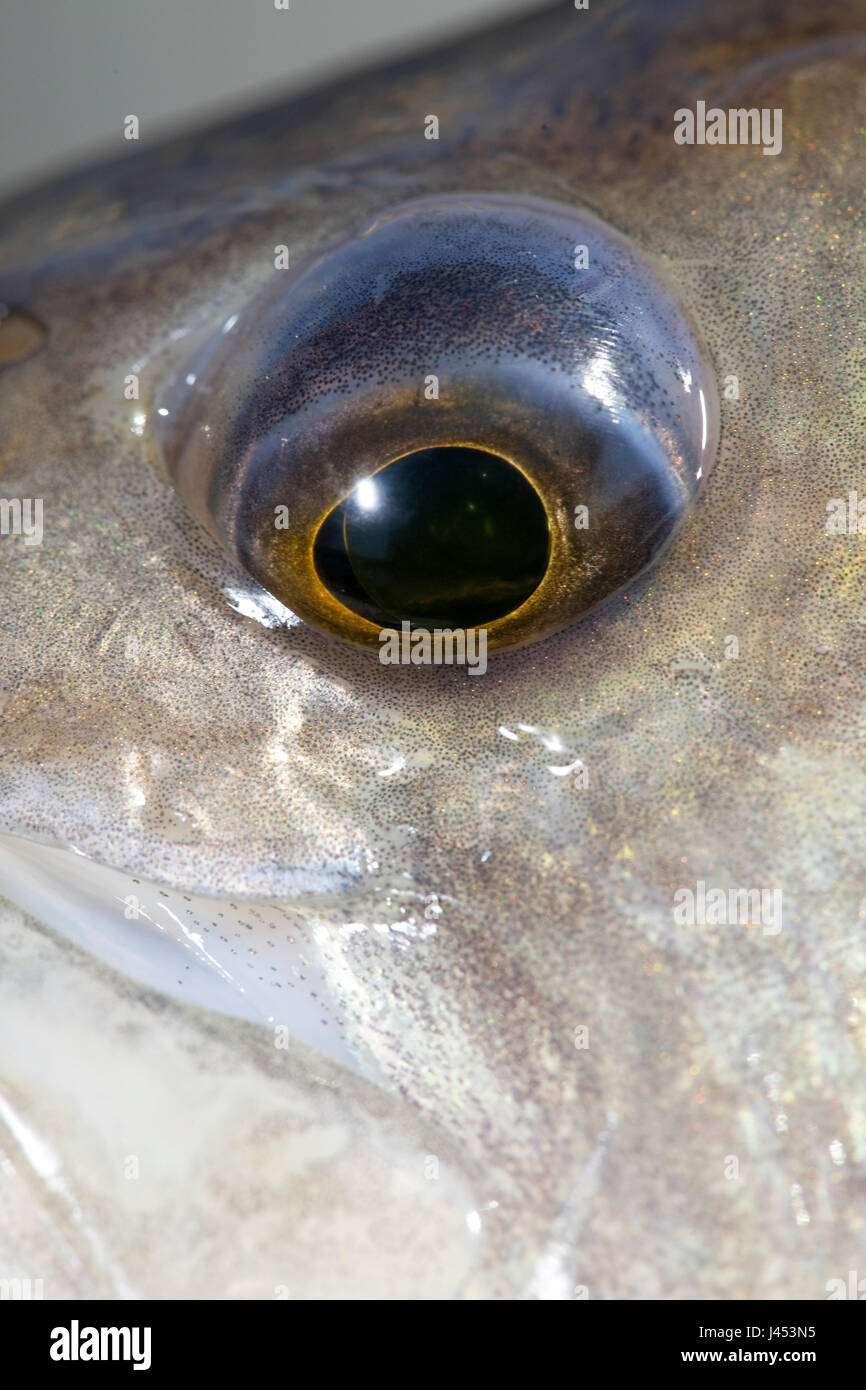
(481,410)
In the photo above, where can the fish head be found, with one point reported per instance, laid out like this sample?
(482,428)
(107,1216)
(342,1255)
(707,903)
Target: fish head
(503,883)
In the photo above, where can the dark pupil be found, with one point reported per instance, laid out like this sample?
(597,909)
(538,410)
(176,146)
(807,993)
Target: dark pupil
(448,537)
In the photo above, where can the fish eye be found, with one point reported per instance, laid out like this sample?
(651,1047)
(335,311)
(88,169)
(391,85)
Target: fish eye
(454,537)
(480,410)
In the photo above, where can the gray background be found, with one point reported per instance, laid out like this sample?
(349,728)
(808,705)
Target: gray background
(70,70)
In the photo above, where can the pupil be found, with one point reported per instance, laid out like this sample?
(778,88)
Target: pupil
(444,537)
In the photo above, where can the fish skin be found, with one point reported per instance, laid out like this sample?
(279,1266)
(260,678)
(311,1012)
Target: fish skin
(608,1162)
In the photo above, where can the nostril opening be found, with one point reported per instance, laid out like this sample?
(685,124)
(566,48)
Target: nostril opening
(450,536)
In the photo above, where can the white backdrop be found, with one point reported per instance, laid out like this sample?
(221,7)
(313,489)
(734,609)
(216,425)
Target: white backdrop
(70,70)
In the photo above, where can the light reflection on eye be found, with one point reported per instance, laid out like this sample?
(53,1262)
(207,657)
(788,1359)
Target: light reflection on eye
(431,404)
(366,495)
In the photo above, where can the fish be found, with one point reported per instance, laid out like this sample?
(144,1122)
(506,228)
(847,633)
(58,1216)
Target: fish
(325,977)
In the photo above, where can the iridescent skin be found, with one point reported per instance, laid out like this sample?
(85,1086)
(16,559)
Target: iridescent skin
(230,759)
